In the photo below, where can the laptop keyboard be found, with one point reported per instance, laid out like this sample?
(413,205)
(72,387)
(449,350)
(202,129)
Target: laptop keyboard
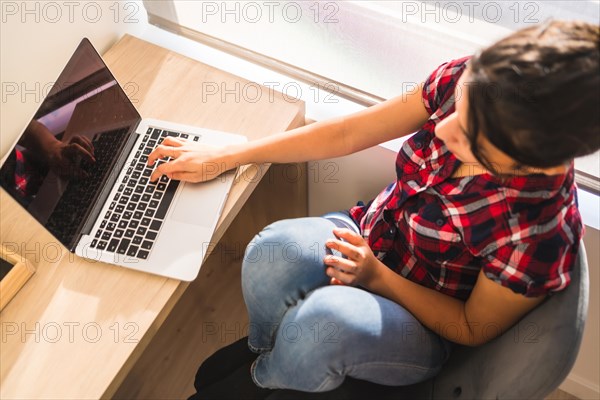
(138,209)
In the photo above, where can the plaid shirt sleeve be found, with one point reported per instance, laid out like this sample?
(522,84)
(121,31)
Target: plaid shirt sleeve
(539,264)
(439,86)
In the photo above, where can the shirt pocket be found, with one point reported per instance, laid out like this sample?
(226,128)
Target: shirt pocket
(431,236)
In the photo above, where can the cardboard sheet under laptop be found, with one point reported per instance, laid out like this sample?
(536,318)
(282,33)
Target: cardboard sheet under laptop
(104,207)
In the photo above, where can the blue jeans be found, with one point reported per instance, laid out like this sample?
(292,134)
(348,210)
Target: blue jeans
(310,334)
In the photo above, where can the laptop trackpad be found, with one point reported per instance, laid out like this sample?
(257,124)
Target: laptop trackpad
(199,203)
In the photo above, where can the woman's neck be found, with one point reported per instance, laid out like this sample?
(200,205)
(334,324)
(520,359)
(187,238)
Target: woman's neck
(562,169)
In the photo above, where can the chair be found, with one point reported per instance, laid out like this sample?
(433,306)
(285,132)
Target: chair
(527,362)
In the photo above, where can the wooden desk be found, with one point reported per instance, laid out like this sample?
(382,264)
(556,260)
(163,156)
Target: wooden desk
(78,327)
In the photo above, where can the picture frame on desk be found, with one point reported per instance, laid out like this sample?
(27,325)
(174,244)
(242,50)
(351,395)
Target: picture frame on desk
(15,271)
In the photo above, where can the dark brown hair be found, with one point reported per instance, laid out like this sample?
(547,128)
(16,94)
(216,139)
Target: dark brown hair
(535,95)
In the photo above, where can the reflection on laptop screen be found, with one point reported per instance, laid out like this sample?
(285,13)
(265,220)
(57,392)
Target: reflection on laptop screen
(65,155)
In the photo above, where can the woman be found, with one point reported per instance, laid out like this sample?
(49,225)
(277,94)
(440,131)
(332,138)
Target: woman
(480,226)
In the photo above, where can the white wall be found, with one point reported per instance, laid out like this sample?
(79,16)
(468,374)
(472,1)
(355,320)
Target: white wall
(338,183)
(36,40)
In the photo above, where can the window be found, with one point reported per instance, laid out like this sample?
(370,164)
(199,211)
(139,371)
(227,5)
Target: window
(363,51)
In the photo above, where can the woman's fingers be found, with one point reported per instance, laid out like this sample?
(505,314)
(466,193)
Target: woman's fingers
(170,147)
(185,169)
(335,281)
(339,263)
(173,141)
(155,155)
(340,276)
(345,248)
(349,236)
(191,162)
(168,168)
(163,151)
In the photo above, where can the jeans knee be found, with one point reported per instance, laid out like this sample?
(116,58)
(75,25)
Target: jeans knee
(262,251)
(285,247)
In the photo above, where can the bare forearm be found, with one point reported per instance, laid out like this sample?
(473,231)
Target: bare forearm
(316,141)
(336,137)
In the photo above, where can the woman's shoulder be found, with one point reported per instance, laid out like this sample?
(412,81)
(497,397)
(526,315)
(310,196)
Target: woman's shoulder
(516,212)
(526,235)
(438,89)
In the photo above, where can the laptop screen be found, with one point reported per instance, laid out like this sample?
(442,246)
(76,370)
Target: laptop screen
(65,156)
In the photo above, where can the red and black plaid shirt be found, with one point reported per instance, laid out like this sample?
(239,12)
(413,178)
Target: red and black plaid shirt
(439,231)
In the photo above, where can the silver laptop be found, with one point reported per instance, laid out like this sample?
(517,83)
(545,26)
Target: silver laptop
(80,168)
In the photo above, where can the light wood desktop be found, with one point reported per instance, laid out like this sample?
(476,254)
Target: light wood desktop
(78,327)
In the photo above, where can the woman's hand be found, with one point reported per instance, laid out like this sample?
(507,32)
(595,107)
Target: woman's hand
(191,162)
(360,268)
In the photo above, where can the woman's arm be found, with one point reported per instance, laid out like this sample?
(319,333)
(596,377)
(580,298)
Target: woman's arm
(391,119)
(341,136)
(490,310)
